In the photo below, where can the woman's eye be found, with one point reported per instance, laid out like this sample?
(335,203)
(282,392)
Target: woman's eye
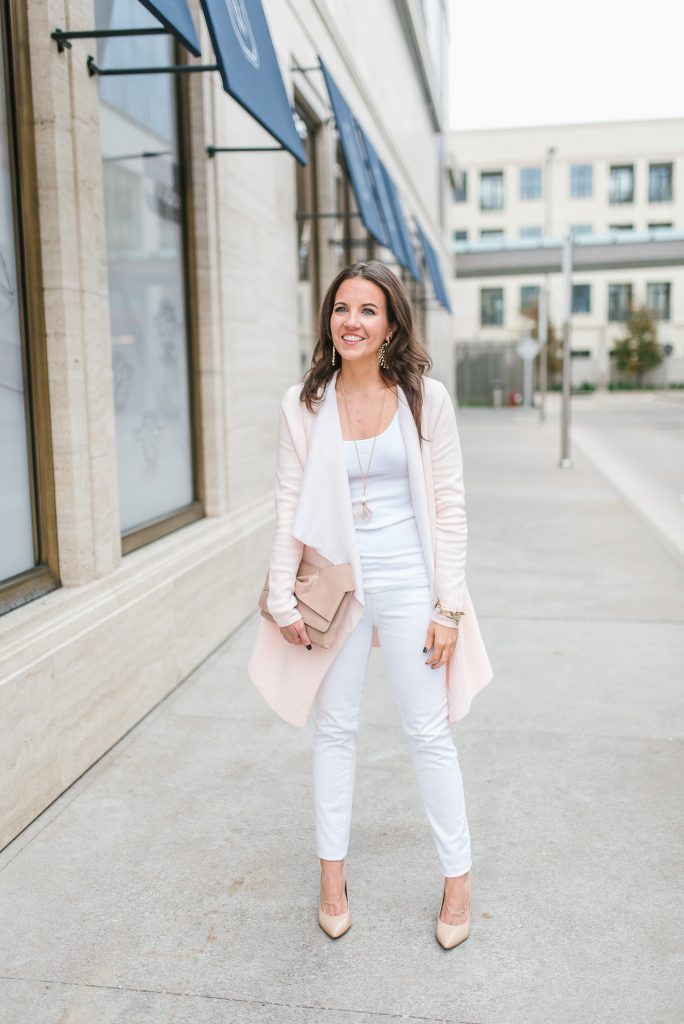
(368,310)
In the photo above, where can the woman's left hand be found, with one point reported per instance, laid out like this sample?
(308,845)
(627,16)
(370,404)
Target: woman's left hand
(443,640)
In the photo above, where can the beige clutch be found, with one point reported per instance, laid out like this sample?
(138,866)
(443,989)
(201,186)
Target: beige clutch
(322,597)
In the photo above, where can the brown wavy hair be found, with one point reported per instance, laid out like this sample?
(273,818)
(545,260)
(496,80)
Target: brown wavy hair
(407,359)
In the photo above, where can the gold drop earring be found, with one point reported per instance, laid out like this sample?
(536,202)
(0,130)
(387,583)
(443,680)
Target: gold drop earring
(383,350)
(333,355)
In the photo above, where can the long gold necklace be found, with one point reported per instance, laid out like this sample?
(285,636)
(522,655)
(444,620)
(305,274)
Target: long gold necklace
(363,510)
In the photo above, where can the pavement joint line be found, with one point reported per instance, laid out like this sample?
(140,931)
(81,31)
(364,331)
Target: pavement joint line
(496,617)
(577,618)
(497,730)
(380,1014)
(471,728)
(572,733)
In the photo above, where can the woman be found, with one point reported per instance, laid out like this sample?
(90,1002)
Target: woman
(369,471)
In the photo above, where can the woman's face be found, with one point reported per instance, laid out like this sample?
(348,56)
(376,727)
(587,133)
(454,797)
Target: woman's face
(358,323)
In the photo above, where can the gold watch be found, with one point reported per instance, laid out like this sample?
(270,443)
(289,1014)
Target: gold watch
(449,612)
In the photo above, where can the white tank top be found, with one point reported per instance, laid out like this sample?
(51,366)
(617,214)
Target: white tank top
(389,542)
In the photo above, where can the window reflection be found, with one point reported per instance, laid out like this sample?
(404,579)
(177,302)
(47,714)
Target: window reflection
(491,307)
(145,263)
(660,183)
(619,302)
(16,513)
(621,184)
(491,190)
(658,299)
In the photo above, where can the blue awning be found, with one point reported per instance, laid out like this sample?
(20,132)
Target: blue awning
(349,133)
(249,67)
(408,257)
(175,16)
(433,269)
(383,201)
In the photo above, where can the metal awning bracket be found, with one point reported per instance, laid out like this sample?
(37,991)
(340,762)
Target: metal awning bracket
(212,150)
(173,69)
(326,216)
(304,71)
(63,39)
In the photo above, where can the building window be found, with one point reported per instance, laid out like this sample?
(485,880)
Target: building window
(491,307)
(581,229)
(619,301)
(531,232)
(621,184)
(16,519)
(460,190)
(660,183)
(28,558)
(581,298)
(530,183)
(661,226)
(621,227)
(145,227)
(491,190)
(529,299)
(581,181)
(308,245)
(460,236)
(492,233)
(658,299)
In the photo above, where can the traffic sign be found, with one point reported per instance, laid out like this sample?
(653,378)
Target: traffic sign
(527,348)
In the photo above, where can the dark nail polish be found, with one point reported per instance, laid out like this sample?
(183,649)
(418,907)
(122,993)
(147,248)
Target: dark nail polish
(308,647)
(425,650)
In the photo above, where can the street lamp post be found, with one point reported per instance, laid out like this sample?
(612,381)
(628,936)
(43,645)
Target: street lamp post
(543,315)
(565,460)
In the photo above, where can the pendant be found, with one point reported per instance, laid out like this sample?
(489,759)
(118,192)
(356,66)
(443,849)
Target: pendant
(363,511)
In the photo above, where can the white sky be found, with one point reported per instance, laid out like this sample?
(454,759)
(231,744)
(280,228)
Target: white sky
(534,62)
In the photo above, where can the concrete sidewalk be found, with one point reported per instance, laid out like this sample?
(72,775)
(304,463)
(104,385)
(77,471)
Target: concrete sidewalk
(177,881)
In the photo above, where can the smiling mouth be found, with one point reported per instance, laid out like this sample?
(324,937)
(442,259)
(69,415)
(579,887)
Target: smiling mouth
(352,339)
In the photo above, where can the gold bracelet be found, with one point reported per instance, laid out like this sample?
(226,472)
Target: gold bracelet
(449,612)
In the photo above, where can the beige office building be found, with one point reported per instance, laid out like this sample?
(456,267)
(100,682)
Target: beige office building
(157,297)
(617,187)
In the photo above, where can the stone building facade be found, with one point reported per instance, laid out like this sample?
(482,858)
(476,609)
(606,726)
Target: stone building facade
(618,184)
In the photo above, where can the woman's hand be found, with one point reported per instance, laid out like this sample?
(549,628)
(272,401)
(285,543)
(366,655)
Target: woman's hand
(296,633)
(443,640)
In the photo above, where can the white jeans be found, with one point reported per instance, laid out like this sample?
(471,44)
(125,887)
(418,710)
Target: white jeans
(402,616)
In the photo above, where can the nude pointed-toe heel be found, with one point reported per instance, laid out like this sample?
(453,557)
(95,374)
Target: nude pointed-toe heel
(449,935)
(335,925)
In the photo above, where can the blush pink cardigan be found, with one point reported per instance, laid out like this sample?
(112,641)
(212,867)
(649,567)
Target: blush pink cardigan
(314,520)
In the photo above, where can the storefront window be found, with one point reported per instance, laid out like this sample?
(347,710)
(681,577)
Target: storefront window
(146,254)
(418,296)
(308,237)
(307,204)
(17,552)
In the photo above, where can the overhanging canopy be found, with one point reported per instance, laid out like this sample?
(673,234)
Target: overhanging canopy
(350,135)
(433,268)
(383,200)
(408,258)
(249,67)
(175,16)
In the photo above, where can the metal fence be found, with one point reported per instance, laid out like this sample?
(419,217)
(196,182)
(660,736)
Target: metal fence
(487,372)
